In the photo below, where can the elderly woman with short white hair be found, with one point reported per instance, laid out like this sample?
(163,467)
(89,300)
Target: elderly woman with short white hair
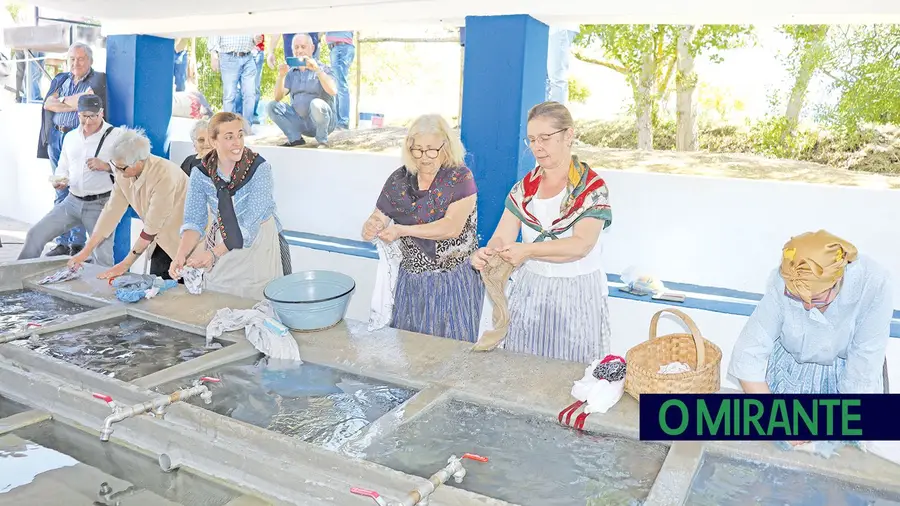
(200,139)
(428,207)
(155,188)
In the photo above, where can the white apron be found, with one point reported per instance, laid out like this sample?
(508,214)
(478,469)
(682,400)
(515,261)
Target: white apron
(245,272)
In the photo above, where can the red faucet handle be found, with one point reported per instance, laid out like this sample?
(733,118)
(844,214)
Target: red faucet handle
(474,457)
(207,379)
(103,397)
(366,492)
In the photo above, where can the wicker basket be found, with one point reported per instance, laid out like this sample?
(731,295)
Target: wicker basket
(644,360)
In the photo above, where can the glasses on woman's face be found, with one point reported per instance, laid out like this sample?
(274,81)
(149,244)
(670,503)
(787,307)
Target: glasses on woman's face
(430,153)
(541,139)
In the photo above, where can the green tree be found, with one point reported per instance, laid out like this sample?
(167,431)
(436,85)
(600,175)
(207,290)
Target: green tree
(646,56)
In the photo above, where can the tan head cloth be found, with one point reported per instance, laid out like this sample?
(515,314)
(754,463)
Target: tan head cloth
(813,262)
(495,275)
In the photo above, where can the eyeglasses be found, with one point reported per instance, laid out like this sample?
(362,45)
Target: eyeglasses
(88,117)
(430,153)
(541,138)
(123,168)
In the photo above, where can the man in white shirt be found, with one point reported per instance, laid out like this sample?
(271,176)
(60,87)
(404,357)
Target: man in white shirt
(84,167)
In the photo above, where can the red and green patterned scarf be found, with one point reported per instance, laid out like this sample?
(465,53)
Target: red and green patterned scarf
(587,196)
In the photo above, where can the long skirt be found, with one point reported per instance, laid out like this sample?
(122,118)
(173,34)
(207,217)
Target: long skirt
(245,272)
(785,375)
(444,304)
(561,318)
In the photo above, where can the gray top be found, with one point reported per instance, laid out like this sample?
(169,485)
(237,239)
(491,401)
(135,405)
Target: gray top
(303,86)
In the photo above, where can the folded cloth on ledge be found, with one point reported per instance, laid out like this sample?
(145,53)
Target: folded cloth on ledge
(495,275)
(193,280)
(134,287)
(382,309)
(262,328)
(603,384)
(64,274)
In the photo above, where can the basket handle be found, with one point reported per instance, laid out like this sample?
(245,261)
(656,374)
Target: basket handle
(695,332)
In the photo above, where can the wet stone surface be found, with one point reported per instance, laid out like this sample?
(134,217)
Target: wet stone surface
(20,307)
(125,348)
(59,464)
(532,461)
(316,404)
(723,481)
(9,408)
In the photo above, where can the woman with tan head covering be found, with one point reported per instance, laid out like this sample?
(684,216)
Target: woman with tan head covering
(822,325)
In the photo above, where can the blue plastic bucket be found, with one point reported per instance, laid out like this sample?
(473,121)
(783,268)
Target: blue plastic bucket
(310,300)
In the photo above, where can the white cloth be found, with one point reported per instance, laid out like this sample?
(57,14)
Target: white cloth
(76,150)
(674,368)
(262,327)
(546,211)
(598,394)
(389,257)
(193,280)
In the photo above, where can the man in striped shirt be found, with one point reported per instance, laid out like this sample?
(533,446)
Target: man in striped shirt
(234,57)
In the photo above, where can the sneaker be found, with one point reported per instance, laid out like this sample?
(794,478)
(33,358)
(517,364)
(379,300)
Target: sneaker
(294,144)
(60,250)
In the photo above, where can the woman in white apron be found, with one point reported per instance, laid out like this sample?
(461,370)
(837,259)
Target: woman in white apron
(242,249)
(558,297)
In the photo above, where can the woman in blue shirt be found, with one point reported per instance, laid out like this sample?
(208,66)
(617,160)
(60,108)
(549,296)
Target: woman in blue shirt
(822,326)
(243,249)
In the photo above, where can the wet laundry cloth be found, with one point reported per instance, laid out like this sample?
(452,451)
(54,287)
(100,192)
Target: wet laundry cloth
(134,287)
(262,328)
(64,274)
(193,280)
(389,257)
(603,384)
(496,277)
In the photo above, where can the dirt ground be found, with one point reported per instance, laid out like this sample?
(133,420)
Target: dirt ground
(388,139)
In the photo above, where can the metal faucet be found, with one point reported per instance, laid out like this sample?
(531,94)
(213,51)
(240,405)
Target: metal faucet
(419,496)
(156,407)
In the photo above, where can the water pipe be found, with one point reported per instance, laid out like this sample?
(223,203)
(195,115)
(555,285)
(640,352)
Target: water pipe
(156,407)
(170,460)
(419,496)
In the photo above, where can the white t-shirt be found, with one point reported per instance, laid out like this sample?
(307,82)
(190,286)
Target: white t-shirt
(546,211)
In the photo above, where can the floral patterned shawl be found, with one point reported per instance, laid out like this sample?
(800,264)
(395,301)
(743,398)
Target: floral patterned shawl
(587,196)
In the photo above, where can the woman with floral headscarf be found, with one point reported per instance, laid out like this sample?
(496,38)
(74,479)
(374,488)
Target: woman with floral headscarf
(558,296)
(822,326)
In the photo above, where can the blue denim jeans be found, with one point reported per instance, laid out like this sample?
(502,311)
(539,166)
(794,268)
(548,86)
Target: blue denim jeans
(181,69)
(558,56)
(76,236)
(260,59)
(238,70)
(319,123)
(342,56)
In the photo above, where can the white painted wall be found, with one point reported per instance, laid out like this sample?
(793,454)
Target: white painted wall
(700,230)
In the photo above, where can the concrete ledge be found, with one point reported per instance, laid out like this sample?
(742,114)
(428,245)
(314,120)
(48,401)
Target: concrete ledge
(20,420)
(673,483)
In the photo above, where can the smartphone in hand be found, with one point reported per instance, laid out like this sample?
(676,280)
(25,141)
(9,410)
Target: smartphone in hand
(295,62)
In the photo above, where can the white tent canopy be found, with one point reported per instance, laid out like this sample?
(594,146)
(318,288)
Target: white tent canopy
(175,18)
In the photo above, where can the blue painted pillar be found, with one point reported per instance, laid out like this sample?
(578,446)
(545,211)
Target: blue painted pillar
(504,73)
(139,71)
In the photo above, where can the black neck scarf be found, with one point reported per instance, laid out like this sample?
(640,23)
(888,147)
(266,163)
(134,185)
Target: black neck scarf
(241,175)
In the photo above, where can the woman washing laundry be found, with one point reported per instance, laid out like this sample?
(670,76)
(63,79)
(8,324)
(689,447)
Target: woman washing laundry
(243,247)
(431,202)
(558,298)
(822,326)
